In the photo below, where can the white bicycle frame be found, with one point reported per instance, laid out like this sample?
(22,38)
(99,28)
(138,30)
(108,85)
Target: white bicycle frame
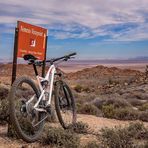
(48,78)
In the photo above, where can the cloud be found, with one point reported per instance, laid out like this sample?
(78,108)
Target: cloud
(117,20)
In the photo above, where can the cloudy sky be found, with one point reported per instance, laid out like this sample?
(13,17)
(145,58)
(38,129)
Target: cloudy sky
(96,29)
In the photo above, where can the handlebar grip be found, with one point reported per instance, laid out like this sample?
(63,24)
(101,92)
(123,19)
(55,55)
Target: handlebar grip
(72,54)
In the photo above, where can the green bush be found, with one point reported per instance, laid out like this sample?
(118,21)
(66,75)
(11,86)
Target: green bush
(78,107)
(135,102)
(79,127)
(120,110)
(124,137)
(3,92)
(116,138)
(137,130)
(112,81)
(86,89)
(92,144)
(126,114)
(60,138)
(117,103)
(78,88)
(144,107)
(4,111)
(143,116)
(83,98)
(89,109)
(108,111)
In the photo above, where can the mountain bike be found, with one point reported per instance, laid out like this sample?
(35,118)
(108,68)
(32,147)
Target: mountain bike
(30,102)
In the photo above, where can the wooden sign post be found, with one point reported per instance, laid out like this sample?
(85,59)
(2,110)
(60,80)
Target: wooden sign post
(29,39)
(14,66)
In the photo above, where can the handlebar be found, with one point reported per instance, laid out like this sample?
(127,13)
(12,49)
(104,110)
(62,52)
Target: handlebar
(65,58)
(33,60)
(72,54)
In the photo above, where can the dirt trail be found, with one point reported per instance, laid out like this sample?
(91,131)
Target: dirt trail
(95,124)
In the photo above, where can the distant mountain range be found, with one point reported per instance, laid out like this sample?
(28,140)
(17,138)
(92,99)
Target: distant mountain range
(140,59)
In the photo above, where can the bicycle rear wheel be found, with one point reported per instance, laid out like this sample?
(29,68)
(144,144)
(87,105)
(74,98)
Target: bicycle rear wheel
(64,104)
(24,118)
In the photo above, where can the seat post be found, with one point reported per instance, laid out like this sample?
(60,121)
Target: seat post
(35,69)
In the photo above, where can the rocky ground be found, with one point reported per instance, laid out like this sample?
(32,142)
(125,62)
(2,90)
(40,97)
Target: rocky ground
(107,90)
(95,124)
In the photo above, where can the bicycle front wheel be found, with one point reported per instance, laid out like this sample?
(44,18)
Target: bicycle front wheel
(26,121)
(64,104)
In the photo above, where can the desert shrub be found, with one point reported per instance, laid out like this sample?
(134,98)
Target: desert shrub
(108,111)
(135,102)
(11,132)
(89,109)
(78,107)
(131,80)
(124,137)
(92,144)
(86,89)
(116,138)
(98,102)
(3,92)
(4,111)
(143,116)
(83,98)
(110,81)
(137,130)
(114,81)
(119,110)
(144,107)
(78,88)
(126,114)
(60,138)
(79,127)
(138,95)
(118,103)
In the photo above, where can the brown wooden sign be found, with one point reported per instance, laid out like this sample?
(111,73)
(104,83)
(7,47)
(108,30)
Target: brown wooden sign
(31,40)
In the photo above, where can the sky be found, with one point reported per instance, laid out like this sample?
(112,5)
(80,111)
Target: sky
(95,29)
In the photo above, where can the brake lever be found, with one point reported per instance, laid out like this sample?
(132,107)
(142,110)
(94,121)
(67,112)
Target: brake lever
(66,58)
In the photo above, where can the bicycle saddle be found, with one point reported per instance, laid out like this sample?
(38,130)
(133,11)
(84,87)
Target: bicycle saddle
(29,57)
